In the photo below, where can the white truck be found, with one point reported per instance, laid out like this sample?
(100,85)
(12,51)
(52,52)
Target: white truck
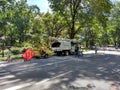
(63,47)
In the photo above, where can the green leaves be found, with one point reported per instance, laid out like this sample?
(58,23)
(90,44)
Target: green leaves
(16,19)
(21,23)
(82,12)
(114,24)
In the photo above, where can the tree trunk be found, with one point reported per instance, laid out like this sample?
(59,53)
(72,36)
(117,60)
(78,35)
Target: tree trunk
(72,32)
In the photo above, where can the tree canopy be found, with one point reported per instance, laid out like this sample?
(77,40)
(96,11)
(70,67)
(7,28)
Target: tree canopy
(81,11)
(90,21)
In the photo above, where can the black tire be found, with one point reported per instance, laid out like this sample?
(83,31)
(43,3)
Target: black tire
(66,53)
(46,56)
(59,53)
(37,57)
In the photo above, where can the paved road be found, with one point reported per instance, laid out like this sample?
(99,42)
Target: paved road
(91,72)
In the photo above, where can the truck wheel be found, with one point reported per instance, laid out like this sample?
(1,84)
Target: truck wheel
(46,56)
(66,53)
(59,53)
(37,57)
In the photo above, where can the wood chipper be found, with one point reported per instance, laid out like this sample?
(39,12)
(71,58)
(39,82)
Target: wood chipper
(42,51)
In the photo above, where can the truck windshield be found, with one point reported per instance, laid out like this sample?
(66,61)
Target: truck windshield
(56,44)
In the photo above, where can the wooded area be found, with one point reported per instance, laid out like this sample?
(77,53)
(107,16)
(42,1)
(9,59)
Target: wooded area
(92,22)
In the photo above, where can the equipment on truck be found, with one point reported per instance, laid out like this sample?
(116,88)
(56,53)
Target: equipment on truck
(63,46)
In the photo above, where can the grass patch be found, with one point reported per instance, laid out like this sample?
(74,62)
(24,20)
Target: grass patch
(85,49)
(14,57)
(17,57)
(2,58)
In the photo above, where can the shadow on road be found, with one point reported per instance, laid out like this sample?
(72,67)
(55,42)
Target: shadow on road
(90,71)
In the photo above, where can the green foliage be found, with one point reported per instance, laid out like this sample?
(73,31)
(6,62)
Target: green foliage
(25,26)
(15,21)
(14,57)
(114,24)
(25,44)
(17,57)
(17,50)
(78,13)
(54,24)
(2,59)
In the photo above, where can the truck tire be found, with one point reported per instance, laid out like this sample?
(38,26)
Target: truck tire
(37,57)
(59,53)
(66,53)
(45,56)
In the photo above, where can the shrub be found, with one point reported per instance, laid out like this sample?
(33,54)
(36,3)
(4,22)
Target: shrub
(16,50)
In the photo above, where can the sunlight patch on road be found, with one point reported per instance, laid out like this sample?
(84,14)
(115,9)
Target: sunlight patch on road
(63,74)
(3,65)
(47,83)
(12,81)
(19,86)
(97,84)
(48,79)
(7,77)
(109,52)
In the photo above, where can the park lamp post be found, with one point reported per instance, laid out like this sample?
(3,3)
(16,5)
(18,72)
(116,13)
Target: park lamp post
(3,47)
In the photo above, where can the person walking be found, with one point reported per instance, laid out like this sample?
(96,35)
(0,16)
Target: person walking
(79,51)
(9,55)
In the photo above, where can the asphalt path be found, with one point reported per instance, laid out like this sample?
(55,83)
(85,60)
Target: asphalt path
(99,71)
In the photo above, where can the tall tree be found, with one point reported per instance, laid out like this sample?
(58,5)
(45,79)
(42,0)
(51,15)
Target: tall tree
(114,23)
(54,25)
(73,10)
(16,19)
(23,18)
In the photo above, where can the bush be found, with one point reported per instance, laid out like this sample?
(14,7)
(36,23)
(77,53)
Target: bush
(2,58)
(17,57)
(16,50)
